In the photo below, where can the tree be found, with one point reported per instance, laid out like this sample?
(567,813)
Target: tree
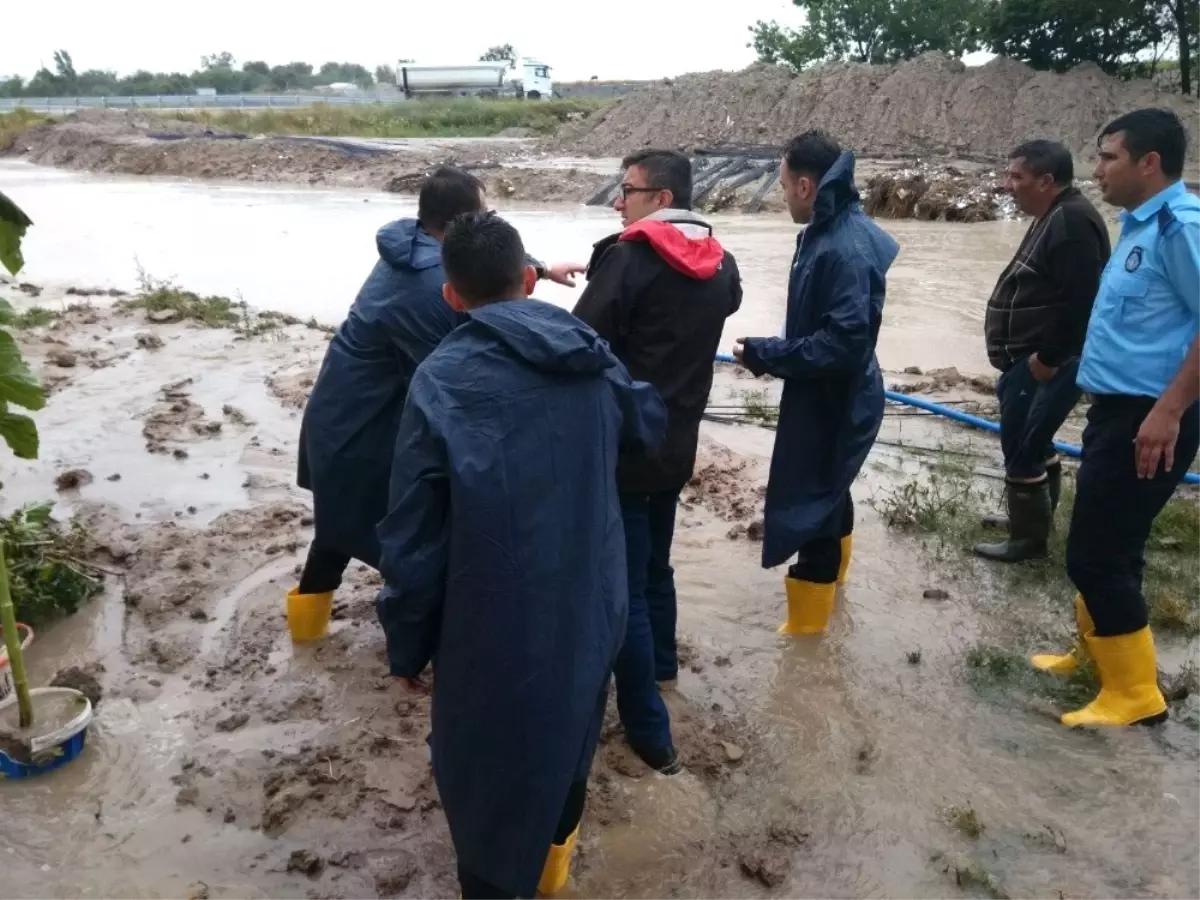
(873,31)
(1060,34)
(18,387)
(257,67)
(1181,20)
(65,69)
(383,75)
(223,60)
(500,53)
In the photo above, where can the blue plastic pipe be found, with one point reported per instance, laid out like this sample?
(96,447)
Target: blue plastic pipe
(958,415)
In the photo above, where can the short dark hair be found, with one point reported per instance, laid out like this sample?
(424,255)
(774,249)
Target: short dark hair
(447,192)
(1047,158)
(483,257)
(812,153)
(1151,131)
(667,170)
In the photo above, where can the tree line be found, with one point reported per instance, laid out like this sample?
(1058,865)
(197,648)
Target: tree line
(218,71)
(1126,38)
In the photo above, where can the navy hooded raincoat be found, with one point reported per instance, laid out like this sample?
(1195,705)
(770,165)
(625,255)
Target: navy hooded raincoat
(504,560)
(833,399)
(348,434)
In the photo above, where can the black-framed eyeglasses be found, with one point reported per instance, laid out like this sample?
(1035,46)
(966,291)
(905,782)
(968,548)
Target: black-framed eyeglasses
(626,189)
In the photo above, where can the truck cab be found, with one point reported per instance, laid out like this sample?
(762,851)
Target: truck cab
(535,80)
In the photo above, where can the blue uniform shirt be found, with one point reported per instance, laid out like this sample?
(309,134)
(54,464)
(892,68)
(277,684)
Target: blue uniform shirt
(1147,311)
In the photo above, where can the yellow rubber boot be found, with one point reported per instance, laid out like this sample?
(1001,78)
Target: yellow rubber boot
(1129,691)
(809,606)
(847,549)
(558,866)
(308,614)
(1073,658)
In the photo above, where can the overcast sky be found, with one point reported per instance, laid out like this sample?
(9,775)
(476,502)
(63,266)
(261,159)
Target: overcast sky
(633,39)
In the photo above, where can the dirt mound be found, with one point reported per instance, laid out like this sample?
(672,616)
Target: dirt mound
(928,105)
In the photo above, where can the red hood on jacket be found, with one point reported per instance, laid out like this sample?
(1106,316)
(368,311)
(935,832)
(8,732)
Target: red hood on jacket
(696,254)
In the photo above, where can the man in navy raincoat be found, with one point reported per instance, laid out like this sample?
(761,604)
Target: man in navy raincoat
(350,423)
(833,398)
(504,558)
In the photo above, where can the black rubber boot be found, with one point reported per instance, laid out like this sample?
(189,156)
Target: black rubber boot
(1054,480)
(1029,525)
(664,759)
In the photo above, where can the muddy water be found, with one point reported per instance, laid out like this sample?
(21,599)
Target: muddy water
(306,252)
(852,756)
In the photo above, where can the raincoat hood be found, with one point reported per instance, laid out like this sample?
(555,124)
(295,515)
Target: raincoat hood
(404,244)
(546,337)
(683,240)
(835,191)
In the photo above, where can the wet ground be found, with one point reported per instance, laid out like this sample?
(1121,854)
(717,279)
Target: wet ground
(225,762)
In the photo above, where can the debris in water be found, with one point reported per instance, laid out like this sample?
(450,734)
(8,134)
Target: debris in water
(306,862)
(968,873)
(187,796)
(233,722)
(72,479)
(198,891)
(966,820)
(77,679)
(913,657)
(394,875)
(770,867)
(64,359)
(936,594)
(733,752)
(148,341)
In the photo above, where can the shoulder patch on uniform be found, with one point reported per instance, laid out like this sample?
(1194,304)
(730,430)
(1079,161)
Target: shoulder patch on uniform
(1134,260)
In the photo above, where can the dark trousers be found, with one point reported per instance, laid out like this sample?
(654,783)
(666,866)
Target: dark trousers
(820,558)
(323,570)
(1114,510)
(473,888)
(660,584)
(649,529)
(1031,412)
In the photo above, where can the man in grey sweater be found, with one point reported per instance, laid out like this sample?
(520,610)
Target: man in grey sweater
(1036,320)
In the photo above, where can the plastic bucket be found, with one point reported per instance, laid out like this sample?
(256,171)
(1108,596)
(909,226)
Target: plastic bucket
(6,682)
(55,748)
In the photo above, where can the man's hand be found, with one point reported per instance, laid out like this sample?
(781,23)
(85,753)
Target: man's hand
(1041,371)
(564,273)
(415,686)
(1155,441)
(739,351)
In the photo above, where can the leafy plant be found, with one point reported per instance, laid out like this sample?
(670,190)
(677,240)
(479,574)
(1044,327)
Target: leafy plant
(17,386)
(45,575)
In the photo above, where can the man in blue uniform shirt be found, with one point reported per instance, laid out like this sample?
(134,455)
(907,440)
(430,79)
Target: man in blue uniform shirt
(1141,367)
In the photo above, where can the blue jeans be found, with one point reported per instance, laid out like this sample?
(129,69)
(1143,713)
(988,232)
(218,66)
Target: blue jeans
(1031,414)
(649,527)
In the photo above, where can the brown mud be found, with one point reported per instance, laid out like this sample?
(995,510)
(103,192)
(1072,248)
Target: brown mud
(930,188)
(228,762)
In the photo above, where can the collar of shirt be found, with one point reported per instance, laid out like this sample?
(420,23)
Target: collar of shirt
(1151,207)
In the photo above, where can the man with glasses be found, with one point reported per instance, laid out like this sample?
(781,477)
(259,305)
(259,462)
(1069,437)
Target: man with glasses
(659,292)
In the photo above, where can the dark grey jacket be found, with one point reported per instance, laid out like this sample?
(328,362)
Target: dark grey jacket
(1043,300)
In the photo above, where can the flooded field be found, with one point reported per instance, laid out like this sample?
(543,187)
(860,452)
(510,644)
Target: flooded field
(224,762)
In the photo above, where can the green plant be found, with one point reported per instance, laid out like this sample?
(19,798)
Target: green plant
(45,573)
(17,385)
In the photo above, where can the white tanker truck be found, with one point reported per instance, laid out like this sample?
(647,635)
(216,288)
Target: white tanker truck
(529,79)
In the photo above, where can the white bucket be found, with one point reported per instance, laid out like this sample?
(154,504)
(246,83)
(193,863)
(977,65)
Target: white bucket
(6,682)
(67,731)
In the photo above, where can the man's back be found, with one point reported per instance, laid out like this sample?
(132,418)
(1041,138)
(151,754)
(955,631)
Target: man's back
(661,302)
(504,519)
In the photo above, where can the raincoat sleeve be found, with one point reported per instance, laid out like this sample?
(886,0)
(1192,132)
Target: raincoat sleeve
(842,338)
(643,414)
(414,541)
(607,301)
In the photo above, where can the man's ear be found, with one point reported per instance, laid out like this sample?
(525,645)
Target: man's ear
(531,280)
(452,299)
